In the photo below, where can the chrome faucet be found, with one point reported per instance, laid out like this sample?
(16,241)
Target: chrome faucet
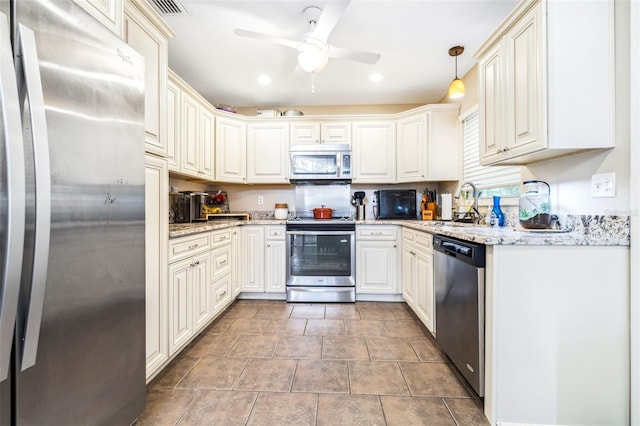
(475,199)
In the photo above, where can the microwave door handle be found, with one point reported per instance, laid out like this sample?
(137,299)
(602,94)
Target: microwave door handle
(339,166)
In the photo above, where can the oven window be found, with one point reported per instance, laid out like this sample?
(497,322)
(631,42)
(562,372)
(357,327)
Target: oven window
(320,255)
(314,164)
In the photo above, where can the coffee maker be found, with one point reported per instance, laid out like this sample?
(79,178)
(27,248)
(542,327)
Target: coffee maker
(187,206)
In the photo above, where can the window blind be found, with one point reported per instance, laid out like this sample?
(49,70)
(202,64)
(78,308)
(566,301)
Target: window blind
(484,177)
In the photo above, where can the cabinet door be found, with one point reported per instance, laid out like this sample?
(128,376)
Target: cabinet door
(332,133)
(143,36)
(374,152)
(268,153)
(408,274)
(252,259)
(423,287)
(180,304)
(156,231)
(275,266)
(231,150)
(207,141)
(305,132)
(173,126)
(443,145)
(491,77)
(376,267)
(108,12)
(411,152)
(190,160)
(201,281)
(524,85)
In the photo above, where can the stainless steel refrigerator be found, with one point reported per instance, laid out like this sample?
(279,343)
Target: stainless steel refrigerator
(72,343)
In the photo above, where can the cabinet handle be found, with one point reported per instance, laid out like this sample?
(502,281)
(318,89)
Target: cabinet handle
(222,238)
(395,245)
(222,262)
(191,247)
(196,263)
(376,233)
(269,245)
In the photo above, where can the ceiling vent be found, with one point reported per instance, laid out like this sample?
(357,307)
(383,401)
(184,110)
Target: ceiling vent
(169,7)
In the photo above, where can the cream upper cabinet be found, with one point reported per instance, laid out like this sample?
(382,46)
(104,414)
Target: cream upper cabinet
(147,33)
(530,109)
(207,142)
(313,132)
(374,151)
(173,125)
(268,152)
(231,150)
(190,155)
(108,12)
(412,149)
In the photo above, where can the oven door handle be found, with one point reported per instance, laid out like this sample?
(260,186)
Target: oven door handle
(320,233)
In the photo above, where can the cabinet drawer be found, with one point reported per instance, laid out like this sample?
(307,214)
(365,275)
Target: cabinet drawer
(408,235)
(220,237)
(424,240)
(221,258)
(376,232)
(275,232)
(180,248)
(221,293)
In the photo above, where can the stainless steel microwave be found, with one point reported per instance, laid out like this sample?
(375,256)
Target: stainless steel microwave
(396,204)
(320,161)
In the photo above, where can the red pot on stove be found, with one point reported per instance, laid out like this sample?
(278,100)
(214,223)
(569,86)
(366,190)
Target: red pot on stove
(322,212)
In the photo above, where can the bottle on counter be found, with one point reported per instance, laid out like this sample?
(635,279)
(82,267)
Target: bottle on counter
(500,220)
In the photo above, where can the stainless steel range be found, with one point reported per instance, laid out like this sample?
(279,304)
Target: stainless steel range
(321,253)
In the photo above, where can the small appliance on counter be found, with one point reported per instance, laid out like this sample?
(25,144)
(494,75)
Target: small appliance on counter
(187,206)
(396,204)
(357,200)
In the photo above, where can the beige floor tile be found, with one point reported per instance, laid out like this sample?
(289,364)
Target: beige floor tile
(220,325)
(401,313)
(376,378)
(165,406)
(321,377)
(174,372)
(220,408)
(344,348)
(250,346)
(342,312)
(405,328)
(306,311)
(286,326)
(324,327)
(432,379)
(241,311)
(352,410)
(267,375)
(403,411)
(212,345)
(275,311)
(248,326)
(363,328)
(467,412)
(376,313)
(299,347)
(284,409)
(390,349)
(426,350)
(213,373)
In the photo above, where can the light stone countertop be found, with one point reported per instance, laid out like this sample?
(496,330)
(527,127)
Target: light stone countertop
(594,231)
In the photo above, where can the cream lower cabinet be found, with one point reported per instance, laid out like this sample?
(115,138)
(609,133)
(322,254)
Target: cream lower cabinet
(235,263)
(252,258)
(275,260)
(374,152)
(220,294)
(417,275)
(268,152)
(156,231)
(376,259)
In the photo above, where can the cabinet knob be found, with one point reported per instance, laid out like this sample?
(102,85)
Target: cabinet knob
(269,245)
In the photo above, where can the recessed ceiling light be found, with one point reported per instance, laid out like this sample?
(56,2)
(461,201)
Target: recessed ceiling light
(374,78)
(264,79)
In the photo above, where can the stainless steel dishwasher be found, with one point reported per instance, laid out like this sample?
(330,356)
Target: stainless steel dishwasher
(459,286)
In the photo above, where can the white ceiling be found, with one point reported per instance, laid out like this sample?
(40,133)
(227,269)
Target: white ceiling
(413,37)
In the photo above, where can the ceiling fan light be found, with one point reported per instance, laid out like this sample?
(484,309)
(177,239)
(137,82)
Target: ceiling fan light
(313,58)
(456,89)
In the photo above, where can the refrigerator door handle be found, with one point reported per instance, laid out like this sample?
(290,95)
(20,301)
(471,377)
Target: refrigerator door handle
(30,65)
(15,204)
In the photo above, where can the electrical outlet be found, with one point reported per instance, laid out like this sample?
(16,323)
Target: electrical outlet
(603,185)
(260,200)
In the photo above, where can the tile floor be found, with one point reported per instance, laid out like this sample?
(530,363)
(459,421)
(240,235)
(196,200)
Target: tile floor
(277,363)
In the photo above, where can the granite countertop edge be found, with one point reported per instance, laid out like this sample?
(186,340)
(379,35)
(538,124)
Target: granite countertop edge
(473,233)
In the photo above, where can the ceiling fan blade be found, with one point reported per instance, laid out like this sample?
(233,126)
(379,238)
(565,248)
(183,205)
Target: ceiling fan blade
(329,18)
(354,55)
(266,37)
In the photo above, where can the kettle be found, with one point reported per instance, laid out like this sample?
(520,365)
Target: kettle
(535,205)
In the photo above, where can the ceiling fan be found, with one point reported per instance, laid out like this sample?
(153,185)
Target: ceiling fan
(314,50)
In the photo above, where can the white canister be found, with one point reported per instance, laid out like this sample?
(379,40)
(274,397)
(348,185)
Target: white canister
(281,211)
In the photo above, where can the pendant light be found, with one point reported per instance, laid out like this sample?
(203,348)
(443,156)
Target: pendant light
(456,88)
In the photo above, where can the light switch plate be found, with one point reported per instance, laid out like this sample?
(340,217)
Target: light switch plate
(603,185)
